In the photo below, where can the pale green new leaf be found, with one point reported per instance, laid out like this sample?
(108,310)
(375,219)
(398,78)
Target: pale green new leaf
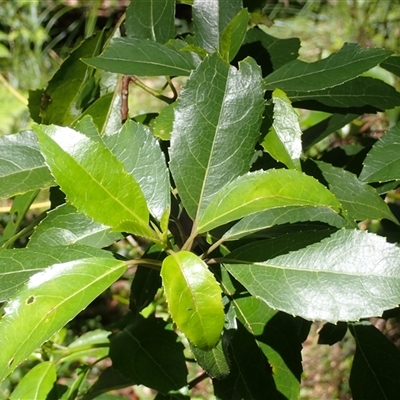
(194,298)
(151,19)
(283,141)
(217,121)
(17,265)
(37,383)
(48,301)
(382,163)
(283,215)
(360,200)
(233,35)
(262,190)
(350,275)
(22,167)
(210,18)
(348,63)
(135,146)
(133,56)
(94,180)
(65,226)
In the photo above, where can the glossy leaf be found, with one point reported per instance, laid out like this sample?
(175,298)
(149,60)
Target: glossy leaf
(194,298)
(376,365)
(216,126)
(210,18)
(382,163)
(348,63)
(74,86)
(90,171)
(360,200)
(392,64)
(17,265)
(262,190)
(277,338)
(163,123)
(147,352)
(233,35)
(37,383)
(348,276)
(135,146)
(65,225)
(133,56)
(151,19)
(363,91)
(283,141)
(22,167)
(48,301)
(283,215)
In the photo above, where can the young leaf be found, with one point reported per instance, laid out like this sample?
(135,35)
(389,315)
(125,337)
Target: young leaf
(283,215)
(22,167)
(261,190)
(17,265)
(360,200)
(48,301)
(151,19)
(62,99)
(194,298)
(233,35)
(37,383)
(350,275)
(90,171)
(283,141)
(216,126)
(147,352)
(348,63)
(135,146)
(133,56)
(65,225)
(376,365)
(210,18)
(382,163)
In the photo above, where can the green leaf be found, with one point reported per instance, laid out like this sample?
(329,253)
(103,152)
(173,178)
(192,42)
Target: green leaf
(163,123)
(251,375)
(48,301)
(348,63)
(277,338)
(133,56)
(332,333)
(147,352)
(360,200)
(359,92)
(65,225)
(270,52)
(22,167)
(87,126)
(217,121)
(135,146)
(261,190)
(151,19)
(382,163)
(215,361)
(348,276)
(90,171)
(392,64)
(62,100)
(376,365)
(321,130)
(283,141)
(17,265)
(37,383)
(194,298)
(283,215)
(233,35)
(210,18)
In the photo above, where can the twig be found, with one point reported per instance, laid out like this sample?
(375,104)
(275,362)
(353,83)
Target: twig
(14,92)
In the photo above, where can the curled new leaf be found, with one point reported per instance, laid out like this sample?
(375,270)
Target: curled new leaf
(194,298)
